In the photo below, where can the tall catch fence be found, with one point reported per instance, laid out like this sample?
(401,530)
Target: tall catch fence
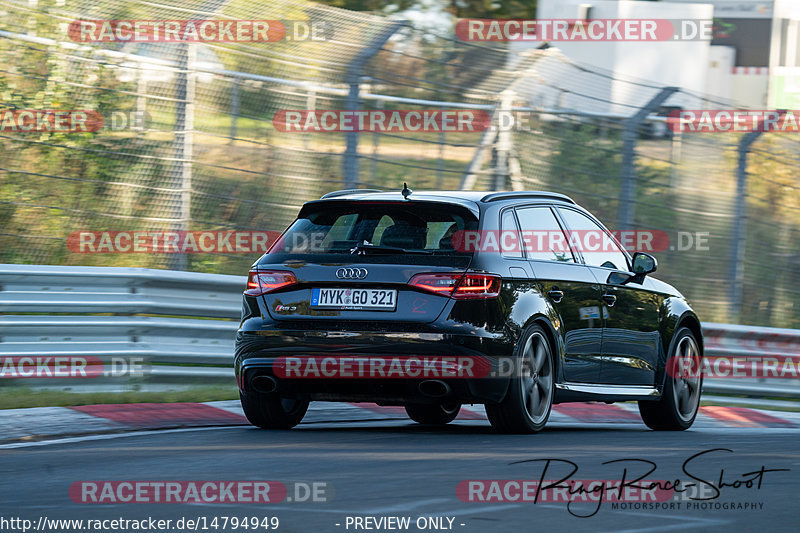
(189,142)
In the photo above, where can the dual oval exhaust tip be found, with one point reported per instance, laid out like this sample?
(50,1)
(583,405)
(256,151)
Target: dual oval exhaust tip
(434,388)
(264,384)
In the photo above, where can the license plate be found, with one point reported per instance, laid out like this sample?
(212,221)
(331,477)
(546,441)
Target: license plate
(354,299)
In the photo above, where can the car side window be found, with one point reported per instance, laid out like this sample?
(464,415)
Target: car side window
(510,236)
(594,243)
(542,236)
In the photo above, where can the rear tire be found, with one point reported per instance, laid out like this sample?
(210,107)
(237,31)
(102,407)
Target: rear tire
(529,399)
(680,399)
(432,414)
(270,411)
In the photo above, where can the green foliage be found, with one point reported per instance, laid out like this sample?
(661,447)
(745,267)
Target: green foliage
(13,397)
(369,5)
(490,9)
(493,9)
(585,162)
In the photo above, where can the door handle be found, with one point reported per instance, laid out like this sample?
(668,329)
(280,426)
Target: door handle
(610,299)
(555,295)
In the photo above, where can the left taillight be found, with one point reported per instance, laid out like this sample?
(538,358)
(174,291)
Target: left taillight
(263,281)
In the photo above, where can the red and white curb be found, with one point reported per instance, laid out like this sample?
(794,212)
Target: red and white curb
(50,422)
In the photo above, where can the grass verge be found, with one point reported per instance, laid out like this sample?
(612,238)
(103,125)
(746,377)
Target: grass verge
(20,397)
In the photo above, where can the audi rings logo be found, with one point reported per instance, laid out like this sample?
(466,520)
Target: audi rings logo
(352,273)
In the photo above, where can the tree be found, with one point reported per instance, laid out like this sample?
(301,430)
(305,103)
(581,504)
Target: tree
(491,9)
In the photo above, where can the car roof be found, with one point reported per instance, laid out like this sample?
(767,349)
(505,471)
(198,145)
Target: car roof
(469,199)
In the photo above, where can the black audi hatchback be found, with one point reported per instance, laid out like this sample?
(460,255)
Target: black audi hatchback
(431,300)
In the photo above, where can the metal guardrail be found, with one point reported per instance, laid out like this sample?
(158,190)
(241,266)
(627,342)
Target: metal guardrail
(102,312)
(180,326)
(733,340)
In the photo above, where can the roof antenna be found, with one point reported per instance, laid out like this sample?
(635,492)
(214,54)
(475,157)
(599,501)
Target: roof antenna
(406,192)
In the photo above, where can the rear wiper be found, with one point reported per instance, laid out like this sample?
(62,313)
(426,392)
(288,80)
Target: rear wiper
(361,249)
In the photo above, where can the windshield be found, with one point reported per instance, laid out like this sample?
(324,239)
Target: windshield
(370,228)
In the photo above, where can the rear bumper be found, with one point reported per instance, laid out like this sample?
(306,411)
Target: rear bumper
(262,347)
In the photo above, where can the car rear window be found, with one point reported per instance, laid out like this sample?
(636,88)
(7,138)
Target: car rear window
(394,228)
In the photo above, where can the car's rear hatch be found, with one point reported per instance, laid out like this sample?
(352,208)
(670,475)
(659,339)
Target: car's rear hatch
(365,261)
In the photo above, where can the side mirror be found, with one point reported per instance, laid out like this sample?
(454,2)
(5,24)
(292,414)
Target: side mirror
(644,263)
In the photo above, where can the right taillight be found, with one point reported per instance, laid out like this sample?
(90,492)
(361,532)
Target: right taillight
(478,286)
(263,281)
(460,286)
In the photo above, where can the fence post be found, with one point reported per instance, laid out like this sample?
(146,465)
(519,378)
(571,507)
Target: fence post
(440,163)
(353,79)
(675,158)
(503,148)
(627,192)
(141,96)
(375,143)
(182,147)
(736,263)
(311,105)
(234,109)
(184,128)
(487,140)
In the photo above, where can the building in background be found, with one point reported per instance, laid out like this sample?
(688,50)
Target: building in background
(659,63)
(753,59)
(757,46)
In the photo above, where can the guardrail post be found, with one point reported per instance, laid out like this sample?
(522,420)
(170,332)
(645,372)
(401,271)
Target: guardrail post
(627,193)
(353,78)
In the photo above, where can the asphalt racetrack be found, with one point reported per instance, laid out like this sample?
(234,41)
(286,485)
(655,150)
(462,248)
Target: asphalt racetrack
(394,468)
